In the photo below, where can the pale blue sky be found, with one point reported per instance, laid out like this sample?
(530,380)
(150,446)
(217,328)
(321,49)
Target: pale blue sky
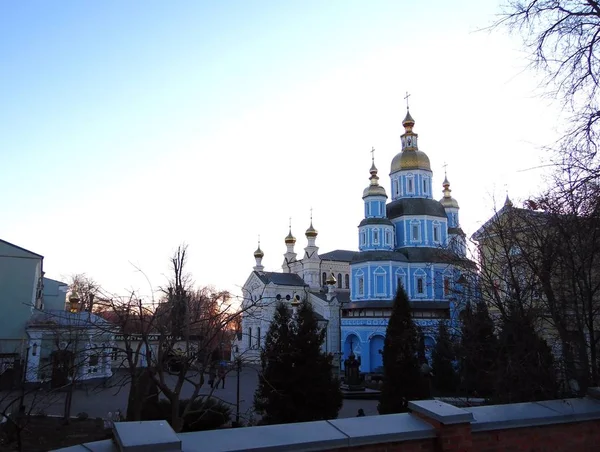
(127,127)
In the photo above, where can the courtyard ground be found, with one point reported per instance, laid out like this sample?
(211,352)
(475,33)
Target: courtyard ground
(98,400)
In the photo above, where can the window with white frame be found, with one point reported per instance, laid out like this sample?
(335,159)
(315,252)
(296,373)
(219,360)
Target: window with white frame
(361,285)
(363,238)
(436,233)
(409,184)
(424,185)
(375,236)
(420,287)
(396,191)
(380,277)
(388,238)
(447,288)
(415,231)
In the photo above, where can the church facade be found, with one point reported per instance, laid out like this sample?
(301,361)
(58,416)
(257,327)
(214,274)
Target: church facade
(411,241)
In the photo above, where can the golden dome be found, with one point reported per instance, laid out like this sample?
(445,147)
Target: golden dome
(258,252)
(448,200)
(311,231)
(290,239)
(331,281)
(374,189)
(410,159)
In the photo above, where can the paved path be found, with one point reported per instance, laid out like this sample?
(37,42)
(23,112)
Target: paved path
(97,401)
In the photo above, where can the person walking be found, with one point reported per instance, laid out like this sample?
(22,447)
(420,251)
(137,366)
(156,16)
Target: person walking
(222,374)
(212,375)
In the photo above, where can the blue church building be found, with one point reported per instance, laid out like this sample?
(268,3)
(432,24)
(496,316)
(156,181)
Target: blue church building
(407,240)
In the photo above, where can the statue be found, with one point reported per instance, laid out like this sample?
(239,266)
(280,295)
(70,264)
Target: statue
(352,378)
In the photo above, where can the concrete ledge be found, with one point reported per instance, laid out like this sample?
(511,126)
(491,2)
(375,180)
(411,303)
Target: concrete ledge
(106,445)
(442,412)
(521,415)
(594,393)
(157,436)
(383,429)
(304,436)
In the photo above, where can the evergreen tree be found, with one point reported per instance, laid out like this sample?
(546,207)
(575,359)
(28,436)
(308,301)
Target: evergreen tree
(402,380)
(526,370)
(478,351)
(296,383)
(443,357)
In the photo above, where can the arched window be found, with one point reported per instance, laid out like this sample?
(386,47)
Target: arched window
(347,281)
(339,278)
(324,278)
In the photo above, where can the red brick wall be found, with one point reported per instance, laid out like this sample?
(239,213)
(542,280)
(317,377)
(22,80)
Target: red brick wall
(421,445)
(573,437)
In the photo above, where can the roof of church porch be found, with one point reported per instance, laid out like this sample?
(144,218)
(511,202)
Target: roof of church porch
(280,279)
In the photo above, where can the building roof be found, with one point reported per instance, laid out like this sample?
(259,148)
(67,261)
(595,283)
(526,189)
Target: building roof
(367,221)
(457,231)
(365,256)
(66,319)
(415,206)
(342,297)
(280,279)
(60,283)
(414,254)
(21,248)
(339,255)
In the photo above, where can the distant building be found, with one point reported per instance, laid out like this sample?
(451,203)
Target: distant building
(35,330)
(413,242)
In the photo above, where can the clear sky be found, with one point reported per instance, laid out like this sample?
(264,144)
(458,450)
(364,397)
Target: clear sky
(129,127)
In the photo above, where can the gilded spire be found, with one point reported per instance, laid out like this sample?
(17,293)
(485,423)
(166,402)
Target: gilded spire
(374,189)
(290,239)
(311,231)
(258,253)
(447,200)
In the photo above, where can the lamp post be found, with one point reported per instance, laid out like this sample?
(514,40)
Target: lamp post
(238,365)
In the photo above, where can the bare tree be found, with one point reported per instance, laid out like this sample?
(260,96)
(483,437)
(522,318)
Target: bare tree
(563,37)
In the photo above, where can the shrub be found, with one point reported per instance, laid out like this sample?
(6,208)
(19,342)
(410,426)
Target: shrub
(204,414)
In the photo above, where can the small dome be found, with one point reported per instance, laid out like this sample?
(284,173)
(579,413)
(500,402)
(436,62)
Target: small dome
(374,190)
(410,159)
(258,252)
(311,231)
(331,281)
(290,239)
(449,202)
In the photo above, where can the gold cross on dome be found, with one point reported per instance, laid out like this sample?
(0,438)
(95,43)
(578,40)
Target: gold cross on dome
(373,154)
(406,98)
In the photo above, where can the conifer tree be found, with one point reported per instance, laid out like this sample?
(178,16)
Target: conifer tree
(443,358)
(402,379)
(526,370)
(296,383)
(478,351)
(271,397)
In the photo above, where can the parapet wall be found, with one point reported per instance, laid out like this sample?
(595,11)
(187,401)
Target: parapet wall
(571,425)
